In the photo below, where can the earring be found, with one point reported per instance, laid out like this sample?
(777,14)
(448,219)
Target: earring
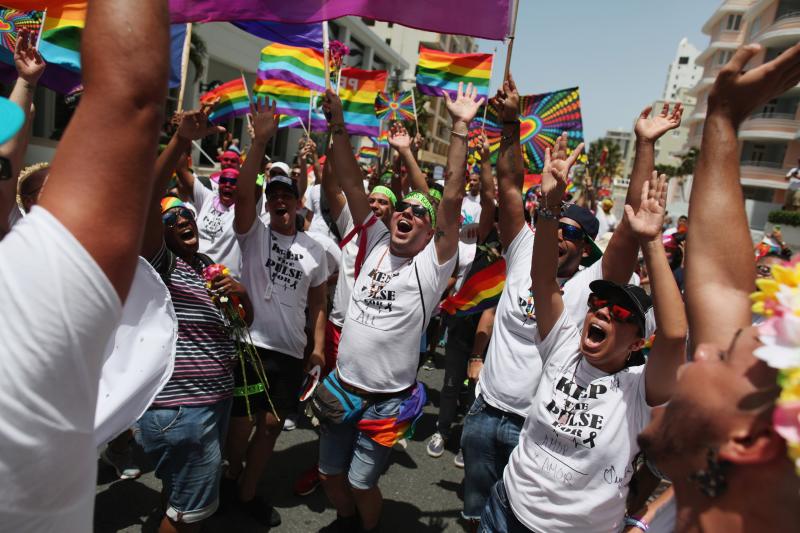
(712,482)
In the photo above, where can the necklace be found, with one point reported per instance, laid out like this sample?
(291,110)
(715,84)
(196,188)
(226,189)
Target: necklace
(376,286)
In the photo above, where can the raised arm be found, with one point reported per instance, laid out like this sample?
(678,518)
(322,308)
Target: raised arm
(462,110)
(510,167)
(546,291)
(719,262)
(619,259)
(330,188)
(482,336)
(401,141)
(265,123)
(669,346)
(345,166)
(121,110)
(488,207)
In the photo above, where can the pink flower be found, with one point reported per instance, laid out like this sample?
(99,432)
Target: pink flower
(212,272)
(786,419)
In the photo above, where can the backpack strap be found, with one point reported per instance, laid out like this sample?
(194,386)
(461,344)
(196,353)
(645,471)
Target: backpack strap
(421,298)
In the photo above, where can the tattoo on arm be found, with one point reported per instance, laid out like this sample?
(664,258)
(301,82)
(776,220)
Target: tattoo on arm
(438,235)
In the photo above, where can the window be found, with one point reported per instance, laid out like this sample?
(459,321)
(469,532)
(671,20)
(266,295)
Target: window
(388,43)
(732,23)
(722,57)
(390,25)
(368,22)
(684,60)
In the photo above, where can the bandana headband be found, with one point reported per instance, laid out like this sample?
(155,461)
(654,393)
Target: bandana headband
(387,192)
(436,194)
(170,202)
(422,199)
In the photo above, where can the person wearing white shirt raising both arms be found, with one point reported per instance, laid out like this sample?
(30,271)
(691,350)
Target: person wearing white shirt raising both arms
(406,268)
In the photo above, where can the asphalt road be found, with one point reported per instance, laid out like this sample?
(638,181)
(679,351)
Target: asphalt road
(421,494)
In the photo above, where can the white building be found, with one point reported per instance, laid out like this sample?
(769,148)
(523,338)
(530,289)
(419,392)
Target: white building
(683,73)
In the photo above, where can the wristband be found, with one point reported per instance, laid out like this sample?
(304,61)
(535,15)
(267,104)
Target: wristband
(547,213)
(635,522)
(461,135)
(476,358)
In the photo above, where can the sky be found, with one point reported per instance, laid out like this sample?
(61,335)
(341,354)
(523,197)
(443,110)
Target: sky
(616,51)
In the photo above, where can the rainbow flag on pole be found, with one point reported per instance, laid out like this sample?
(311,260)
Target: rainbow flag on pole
(382,140)
(481,291)
(234,100)
(369,152)
(358,91)
(300,66)
(395,105)
(440,72)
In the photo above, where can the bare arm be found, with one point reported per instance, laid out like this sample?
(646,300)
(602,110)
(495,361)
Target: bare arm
(719,264)
(401,141)
(331,190)
(481,342)
(546,291)
(265,124)
(669,347)
(346,168)
(510,167)
(302,180)
(448,218)
(619,259)
(488,206)
(317,305)
(124,105)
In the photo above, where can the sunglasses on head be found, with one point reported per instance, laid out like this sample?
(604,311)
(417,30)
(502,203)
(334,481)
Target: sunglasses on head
(618,312)
(418,211)
(764,270)
(571,233)
(170,218)
(227,181)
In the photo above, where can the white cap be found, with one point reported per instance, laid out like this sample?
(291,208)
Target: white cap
(280,165)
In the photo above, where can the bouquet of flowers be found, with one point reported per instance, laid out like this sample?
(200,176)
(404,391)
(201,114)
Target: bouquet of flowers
(233,314)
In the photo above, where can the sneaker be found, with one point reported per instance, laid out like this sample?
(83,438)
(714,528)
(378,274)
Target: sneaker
(429,364)
(122,463)
(307,482)
(289,423)
(458,460)
(436,445)
(342,524)
(261,511)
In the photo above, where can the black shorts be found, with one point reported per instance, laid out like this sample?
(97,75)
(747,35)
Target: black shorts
(284,376)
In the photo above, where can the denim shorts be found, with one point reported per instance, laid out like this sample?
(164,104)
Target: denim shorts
(488,438)
(498,517)
(342,447)
(186,446)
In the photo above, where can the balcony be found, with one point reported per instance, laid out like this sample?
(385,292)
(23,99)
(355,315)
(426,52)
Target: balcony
(767,173)
(783,32)
(769,127)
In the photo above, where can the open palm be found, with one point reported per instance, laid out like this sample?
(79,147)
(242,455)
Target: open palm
(652,128)
(466,104)
(647,222)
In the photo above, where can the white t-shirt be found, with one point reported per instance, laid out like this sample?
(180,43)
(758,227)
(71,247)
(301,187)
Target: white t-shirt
(347,269)
(608,222)
(314,204)
(333,254)
(391,305)
(571,468)
(215,228)
(470,217)
(59,310)
(512,368)
(466,255)
(278,270)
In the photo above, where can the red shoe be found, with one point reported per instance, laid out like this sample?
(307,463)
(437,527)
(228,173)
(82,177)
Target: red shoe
(307,482)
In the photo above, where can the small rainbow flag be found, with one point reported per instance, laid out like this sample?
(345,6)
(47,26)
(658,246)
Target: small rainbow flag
(440,72)
(304,67)
(234,100)
(358,91)
(369,152)
(387,431)
(481,291)
(395,105)
(382,140)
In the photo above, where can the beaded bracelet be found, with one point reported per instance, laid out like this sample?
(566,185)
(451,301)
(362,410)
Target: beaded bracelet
(635,522)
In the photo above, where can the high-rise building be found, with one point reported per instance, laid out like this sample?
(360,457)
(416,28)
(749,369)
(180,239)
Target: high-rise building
(406,42)
(683,73)
(769,137)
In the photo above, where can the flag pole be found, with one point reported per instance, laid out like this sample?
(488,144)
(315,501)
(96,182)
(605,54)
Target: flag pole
(197,145)
(414,103)
(326,49)
(187,44)
(513,30)
(249,99)
(310,107)
(41,28)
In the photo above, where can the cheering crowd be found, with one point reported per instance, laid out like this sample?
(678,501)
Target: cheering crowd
(622,389)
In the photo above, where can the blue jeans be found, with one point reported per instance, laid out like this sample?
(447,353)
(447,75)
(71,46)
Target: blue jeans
(489,437)
(498,517)
(186,446)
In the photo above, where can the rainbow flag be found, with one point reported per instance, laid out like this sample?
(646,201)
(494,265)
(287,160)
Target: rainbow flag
(531,180)
(234,100)
(481,291)
(382,140)
(300,66)
(387,431)
(369,152)
(358,91)
(440,72)
(12,21)
(293,102)
(395,105)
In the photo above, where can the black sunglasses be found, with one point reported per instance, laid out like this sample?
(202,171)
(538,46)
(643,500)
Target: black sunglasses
(764,270)
(571,233)
(227,181)
(170,218)
(418,211)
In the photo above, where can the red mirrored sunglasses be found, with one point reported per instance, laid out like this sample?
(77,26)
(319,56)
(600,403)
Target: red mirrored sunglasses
(618,312)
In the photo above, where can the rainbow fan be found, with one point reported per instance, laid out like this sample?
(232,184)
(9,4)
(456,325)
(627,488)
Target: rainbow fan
(395,105)
(11,21)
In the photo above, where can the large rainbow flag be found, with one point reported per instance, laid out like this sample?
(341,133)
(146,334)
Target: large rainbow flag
(358,91)
(304,67)
(234,100)
(440,72)
(481,291)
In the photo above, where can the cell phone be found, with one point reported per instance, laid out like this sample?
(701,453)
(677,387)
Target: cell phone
(5,169)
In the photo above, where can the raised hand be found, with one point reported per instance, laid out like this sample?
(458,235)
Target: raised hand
(332,105)
(265,118)
(557,166)
(506,101)
(648,221)
(465,106)
(27,60)
(652,128)
(194,125)
(399,139)
(485,148)
(736,92)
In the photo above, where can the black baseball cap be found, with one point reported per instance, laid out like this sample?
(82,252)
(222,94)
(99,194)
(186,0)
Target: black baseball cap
(284,182)
(631,297)
(590,226)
